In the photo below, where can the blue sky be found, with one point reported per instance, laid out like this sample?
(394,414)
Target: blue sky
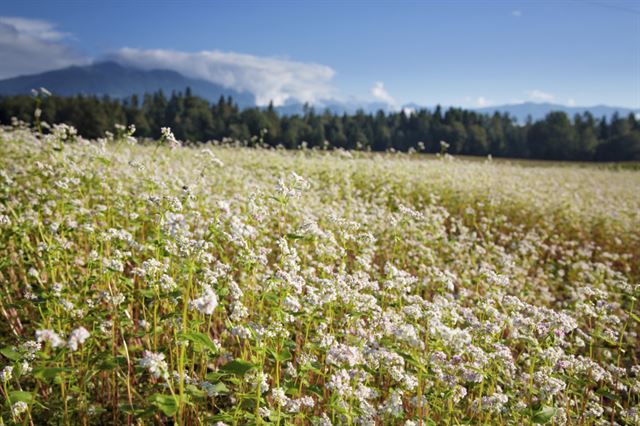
(467,53)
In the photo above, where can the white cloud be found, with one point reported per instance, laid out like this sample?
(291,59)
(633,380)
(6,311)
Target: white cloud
(379,92)
(269,79)
(36,28)
(516,13)
(540,96)
(479,102)
(408,111)
(571,102)
(29,46)
(482,102)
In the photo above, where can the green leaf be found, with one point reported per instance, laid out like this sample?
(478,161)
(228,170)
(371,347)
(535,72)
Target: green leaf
(412,360)
(22,396)
(543,415)
(10,354)
(103,160)
(634,316)
(148,293)
(214,376)
(49,372)
(135,410)
(222,417)
(607,394)
(315,389)
(237,367)
(220,388)
(165,403)
(284,355)
(195,391)
(271,297)
(200,339)
(112,362)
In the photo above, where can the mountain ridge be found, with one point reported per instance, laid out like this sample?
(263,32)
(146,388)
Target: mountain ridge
(537,111)
(120,81)
(117,81)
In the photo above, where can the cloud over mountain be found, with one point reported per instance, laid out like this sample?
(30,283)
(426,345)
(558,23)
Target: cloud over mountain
(379,92)
(540,96)
(268,78)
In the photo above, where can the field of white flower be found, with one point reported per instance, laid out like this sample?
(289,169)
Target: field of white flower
(141,284)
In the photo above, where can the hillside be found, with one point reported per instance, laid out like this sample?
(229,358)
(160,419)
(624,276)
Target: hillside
(118,81)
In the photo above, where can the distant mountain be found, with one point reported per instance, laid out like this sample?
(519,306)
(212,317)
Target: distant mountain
(538,111)
(118,81)
(334,106)
(521,111)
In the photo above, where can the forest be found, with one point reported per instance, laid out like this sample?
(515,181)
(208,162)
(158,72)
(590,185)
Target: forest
(557,137)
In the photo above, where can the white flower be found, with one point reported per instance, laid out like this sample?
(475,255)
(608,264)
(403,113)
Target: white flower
(167,135)
(393,405)
(410,212)
(18,408)
(155,363)
(291,304)
(458,393)
(260,381)
(77,337)
(206,303)
(6,374)
(5,220)
(339,382)
(279,397)
(239,311)
(50,336)
(324,420)
(340,354)
(30,347)
(167,283)
(293,186)
(166,132)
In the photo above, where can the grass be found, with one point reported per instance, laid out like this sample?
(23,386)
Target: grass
(224,285)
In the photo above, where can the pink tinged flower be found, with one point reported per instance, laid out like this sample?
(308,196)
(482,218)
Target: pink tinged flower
(206,303)
(50,336)
(77,337)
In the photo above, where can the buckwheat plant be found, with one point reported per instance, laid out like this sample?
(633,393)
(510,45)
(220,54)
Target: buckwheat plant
(221,285)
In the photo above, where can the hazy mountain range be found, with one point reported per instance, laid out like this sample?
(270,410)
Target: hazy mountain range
(538,111)
(118,81)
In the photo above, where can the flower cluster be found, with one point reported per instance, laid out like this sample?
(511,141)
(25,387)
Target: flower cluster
(225,285)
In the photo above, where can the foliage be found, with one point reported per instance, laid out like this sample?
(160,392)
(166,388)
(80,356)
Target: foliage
(557,137)
(164,284)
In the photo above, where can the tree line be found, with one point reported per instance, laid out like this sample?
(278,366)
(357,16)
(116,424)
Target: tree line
(556,137)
